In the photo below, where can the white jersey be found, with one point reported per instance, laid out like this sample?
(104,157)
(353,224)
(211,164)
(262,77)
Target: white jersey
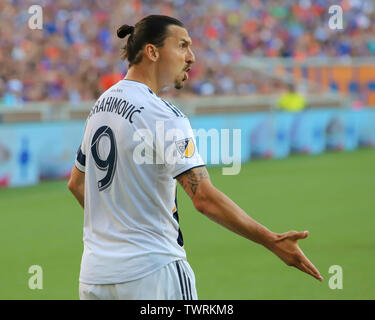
(131,224)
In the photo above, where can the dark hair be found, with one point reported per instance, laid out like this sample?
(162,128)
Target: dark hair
(151,29)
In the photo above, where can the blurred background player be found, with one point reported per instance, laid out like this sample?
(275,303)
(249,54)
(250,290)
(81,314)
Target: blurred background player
(133,248)
(292,100)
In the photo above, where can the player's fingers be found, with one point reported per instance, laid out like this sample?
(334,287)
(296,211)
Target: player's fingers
(308,264)
(303,268)
(292,235)
(299,235)
(310,269)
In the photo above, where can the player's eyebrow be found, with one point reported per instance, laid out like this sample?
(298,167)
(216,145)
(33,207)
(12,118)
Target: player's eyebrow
(189,42)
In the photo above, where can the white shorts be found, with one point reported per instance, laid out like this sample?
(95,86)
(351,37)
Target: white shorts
(175,281)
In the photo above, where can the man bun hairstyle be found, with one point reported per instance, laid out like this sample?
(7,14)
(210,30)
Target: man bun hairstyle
(124,30)
(152,29)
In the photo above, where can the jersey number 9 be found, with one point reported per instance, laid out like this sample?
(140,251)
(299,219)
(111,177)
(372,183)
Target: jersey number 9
(109,164)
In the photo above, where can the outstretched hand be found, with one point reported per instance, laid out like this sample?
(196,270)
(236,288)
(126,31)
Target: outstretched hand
(287,249)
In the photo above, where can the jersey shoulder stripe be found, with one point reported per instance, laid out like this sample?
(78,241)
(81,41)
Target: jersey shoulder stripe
(81,158)
(175,110)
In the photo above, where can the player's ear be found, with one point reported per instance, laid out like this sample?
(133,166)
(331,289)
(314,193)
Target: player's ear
(152,52)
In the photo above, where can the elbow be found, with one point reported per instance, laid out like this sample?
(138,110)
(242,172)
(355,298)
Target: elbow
(71,185)
(205,198)
(199,205)
(202,202)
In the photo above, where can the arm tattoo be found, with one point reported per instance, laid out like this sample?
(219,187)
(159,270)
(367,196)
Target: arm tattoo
(191,179)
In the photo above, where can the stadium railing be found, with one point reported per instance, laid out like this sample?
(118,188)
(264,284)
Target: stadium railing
(31,112)
(347,77)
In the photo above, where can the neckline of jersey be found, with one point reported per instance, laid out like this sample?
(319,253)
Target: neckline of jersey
(145,85)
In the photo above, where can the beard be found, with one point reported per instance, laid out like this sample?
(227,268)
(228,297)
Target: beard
(178,84)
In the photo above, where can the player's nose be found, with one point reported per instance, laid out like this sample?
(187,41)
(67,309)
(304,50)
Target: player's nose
(190,57)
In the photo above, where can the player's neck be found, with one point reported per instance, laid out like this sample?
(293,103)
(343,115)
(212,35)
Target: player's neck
(141,75)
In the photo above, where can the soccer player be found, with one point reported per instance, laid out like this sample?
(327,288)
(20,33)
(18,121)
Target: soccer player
(136,146)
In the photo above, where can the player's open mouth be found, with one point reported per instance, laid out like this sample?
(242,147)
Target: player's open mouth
(186,76)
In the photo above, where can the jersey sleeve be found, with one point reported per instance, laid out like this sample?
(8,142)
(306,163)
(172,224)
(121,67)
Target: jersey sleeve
(80,161)
(180,149)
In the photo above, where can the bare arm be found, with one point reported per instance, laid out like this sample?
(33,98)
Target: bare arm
(76,185)
(218,207)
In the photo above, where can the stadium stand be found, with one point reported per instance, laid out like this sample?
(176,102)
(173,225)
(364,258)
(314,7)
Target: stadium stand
(76,55)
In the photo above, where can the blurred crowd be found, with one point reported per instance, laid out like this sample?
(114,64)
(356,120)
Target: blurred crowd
(75,56)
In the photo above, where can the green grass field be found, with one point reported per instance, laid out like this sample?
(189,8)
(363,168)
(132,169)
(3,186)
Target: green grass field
(331,195)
